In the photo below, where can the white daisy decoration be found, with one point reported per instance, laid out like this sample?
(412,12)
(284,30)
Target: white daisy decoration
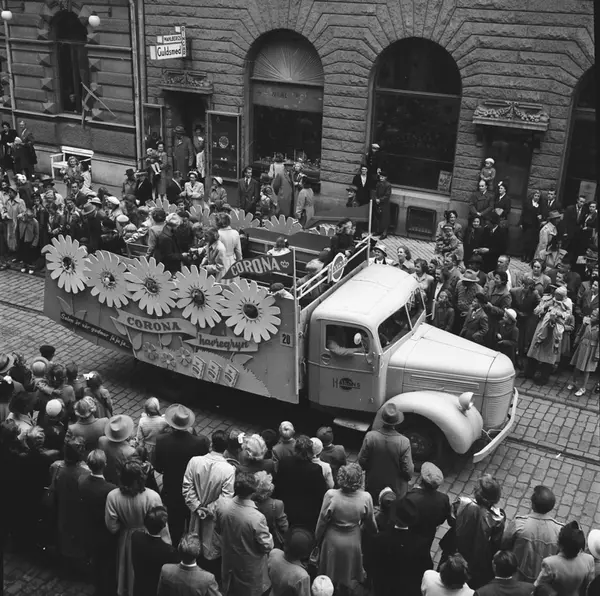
(65,259)
(251,311)
(106,276)
(198,296)
(288,226)
(162,204)
(151,286)
(240,220)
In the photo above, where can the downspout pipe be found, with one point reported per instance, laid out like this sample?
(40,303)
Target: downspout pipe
(137,108)
(11,82)
(141,23)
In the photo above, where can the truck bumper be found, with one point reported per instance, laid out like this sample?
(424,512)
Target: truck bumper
(493,444)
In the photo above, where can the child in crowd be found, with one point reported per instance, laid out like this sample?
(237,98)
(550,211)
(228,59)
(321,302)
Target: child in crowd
(47,351)
(270,437)
(280,248)
(286,444)
(76,381)
(29,237)
(586,355)
(151,424)
(334,455)
(96,389)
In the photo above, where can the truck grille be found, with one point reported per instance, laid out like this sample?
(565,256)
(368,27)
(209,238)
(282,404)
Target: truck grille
(496,402)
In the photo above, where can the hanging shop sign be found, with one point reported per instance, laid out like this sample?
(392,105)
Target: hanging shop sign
(288,97)
(173,45)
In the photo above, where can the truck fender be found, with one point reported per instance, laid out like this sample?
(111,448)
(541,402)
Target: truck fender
(460,427)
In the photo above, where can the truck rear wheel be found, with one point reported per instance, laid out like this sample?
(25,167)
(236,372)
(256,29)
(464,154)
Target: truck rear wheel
(427,442)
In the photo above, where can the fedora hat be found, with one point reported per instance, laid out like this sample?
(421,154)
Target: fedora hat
(477,259)
(390,415)
(179,417)
(179,130)
(119,428)
(46,180)
(469,275)
(381,247)
(113,200)
(218,180)
(593,543)
(554,215)
(129,172)
(7,361)
(88,209)
(96,201)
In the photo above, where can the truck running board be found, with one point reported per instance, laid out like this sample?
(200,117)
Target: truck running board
(358,425)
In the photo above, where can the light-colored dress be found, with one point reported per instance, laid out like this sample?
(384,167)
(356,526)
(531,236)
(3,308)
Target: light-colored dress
(305,206)
(233,250)
(195,192)
(340,521)
(585,357)
(214,262)
(546,234)
(123,516)
(149,427)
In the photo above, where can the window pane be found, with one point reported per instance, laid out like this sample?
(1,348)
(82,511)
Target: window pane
(417,136)
(587,91)
(582,159)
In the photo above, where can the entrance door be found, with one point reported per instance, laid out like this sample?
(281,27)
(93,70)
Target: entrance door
(343,374)
(187,110)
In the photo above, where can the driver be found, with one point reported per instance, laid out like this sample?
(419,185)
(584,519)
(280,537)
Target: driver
(336,343)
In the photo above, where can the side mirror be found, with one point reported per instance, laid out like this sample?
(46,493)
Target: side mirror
(357,339)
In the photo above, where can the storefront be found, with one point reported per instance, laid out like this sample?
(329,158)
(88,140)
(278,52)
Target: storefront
(286,97)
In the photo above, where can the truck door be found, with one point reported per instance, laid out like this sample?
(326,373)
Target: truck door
(342,373)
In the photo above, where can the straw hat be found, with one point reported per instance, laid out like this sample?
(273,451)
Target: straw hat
(179,417)
(119,428)
(511,313)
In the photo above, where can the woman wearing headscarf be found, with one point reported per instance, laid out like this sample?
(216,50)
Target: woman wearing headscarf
(531,216)
(499,299)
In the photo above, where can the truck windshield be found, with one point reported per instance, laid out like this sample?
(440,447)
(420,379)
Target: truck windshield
(401,322)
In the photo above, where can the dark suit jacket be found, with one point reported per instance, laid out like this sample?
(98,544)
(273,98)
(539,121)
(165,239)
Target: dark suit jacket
(93,492)
(148,555)
(167,250)
(363,193)
(434,509)
(248,195)
(505,587)
(546,208)
(571,224)
(475,327)
(172,454)
(143,191)
(177,580)
(173,190)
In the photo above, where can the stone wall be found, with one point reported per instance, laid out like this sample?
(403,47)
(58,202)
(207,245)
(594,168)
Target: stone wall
(533,51)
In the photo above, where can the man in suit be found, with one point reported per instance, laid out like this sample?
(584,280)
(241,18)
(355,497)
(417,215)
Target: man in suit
(505,565)
(184,156)
(363,185)
(433,507)
(572,278)
(481,203)
(174,188)
(381,205)
(143,187)
(149,552)
(571,227)
(475,327)
(172,454)
(100,543)
(549,203)
(28,140)
(248,191)
(186,578)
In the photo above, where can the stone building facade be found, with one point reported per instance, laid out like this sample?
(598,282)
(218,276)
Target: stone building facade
(520,69)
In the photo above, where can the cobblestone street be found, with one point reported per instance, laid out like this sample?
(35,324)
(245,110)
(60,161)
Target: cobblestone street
(555,441)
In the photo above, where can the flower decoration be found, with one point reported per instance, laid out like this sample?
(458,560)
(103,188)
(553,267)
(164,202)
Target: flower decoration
(168,360)
(202,215)
(150,351)
(65,259)
(288,226)
(251,311)
(184,356)
(199,296)
(240,220)
(323,230)
(151,286)
(162,204)
(106,276)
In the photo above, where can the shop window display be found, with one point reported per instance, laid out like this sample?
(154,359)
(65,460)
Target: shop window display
(416,112)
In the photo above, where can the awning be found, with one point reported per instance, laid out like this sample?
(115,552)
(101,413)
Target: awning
(187,81)
(512,114)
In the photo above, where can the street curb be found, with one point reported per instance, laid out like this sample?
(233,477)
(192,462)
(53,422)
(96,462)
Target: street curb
(561,400)
(564,453)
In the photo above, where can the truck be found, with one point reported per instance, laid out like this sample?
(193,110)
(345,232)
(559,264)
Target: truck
(344,335)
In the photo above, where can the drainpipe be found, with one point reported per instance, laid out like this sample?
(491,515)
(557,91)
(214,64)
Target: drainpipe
(11,83)
(136,81)
(141,22)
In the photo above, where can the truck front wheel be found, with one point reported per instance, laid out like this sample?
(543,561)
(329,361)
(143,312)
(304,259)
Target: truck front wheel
(427,442)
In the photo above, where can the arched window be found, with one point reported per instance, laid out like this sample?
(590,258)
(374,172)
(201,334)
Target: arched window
(70,37)
(581,165)
(286,78)
(416,110)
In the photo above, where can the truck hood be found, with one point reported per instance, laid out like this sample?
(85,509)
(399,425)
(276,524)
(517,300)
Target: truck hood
(437,360)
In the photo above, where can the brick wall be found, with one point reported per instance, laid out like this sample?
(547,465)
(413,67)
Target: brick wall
(532,51)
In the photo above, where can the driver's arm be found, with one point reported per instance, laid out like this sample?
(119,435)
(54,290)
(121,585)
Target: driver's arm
(338,350)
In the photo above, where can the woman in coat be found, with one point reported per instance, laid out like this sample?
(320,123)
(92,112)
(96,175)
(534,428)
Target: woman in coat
(502,204)
(214,261)
(345,512)
(546,235)
(231,241)
(450,217)
(64,489)
(272,509)
(300,485)
(305,205)
(524,301)
(194,192)
(473,239)
(499,300)
(125,510)
(570,571)
(531,216)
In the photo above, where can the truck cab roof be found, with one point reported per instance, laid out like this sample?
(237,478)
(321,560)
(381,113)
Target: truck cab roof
(369,297)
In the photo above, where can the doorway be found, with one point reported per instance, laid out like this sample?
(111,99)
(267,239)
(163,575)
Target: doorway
(187,110)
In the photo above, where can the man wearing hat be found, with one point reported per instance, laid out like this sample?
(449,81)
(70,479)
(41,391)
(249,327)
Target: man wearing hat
(115,443)
(373,159)
(363,184)
(143,187)
(351,200)
(218,195)
(92,224)
(381,206)
(476,264)
(184,155)
(433,506)
(128,186)
(248,191)
(380,255)
(507,335)
(168,251)
(466,290)
(475,327)
(394,558)
(172,454)
(533,537)
(386,456)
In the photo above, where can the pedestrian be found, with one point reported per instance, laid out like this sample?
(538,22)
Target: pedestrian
(115,443)
(55,425)
(571,570)
(126,508)
(305,203)
(334,455)
(475,328)
(252,455)
(150,425)
(101,395)
(466,289)
(507,335)
(327,473)
(346,513)
(586,354)
(300,485)
(533,537)
(443,313)
(499,299)
(207,479)
(167,251)
(218,195)
(384,518)
(245,541)
(99,542)
(286,444)
(184,155)
(381,205)
(505,566)
(149,552)
(450,581)
(248,191)
(88,426)
(186,578)
(271,508)
(433,506)
(21,412)
(286,566)
(171,456)
(231,241)
(214,261)
(385,455)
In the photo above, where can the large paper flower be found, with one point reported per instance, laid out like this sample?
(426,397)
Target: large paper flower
(288,226)
(106,276)
(240,220)
(162,204)
(65,259)
(199,296)
(251,311)
(151,286)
